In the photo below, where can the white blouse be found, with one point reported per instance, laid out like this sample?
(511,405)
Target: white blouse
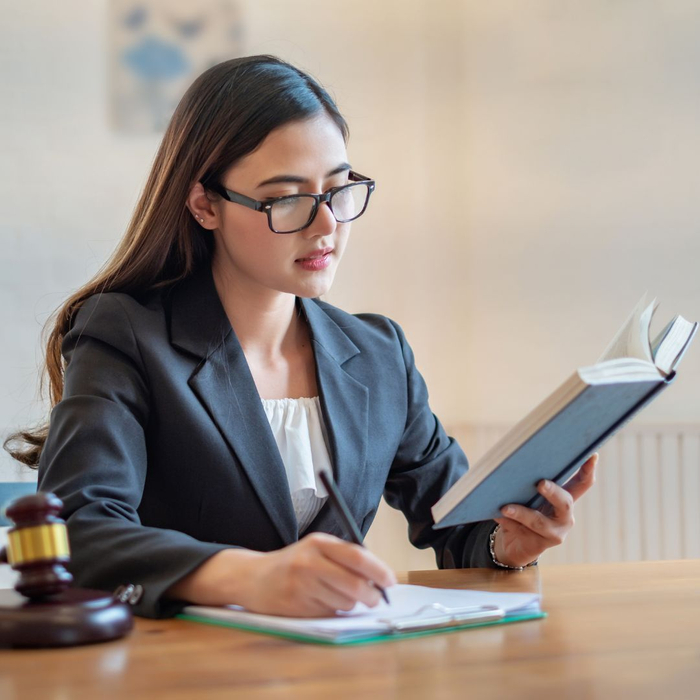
(300,433)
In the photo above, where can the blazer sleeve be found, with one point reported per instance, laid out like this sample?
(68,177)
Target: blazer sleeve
(427,463)
(95,460)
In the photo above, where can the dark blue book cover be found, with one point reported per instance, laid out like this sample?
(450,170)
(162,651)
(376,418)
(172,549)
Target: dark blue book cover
(555,451)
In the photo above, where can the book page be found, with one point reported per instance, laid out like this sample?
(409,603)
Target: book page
(656,343)
(670,345)
(632,340)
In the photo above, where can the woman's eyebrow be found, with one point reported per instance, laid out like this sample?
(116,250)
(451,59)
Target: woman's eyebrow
(299,179)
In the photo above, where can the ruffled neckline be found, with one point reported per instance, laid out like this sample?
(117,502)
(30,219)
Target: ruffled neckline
(300,434)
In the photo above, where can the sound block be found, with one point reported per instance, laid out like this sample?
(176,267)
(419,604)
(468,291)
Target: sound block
(74,616)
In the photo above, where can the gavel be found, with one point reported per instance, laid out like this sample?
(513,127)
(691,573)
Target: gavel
(38,546)
(43,610)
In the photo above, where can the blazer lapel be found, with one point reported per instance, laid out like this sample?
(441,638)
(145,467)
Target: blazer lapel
(345,405)
(224,385)
(222,382)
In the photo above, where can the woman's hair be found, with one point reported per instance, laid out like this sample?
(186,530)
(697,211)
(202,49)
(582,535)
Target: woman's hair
(225,114)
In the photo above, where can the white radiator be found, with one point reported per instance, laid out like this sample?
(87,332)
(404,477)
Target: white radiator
(645,503)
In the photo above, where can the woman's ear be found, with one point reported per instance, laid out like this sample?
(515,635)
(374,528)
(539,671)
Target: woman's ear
(201,207)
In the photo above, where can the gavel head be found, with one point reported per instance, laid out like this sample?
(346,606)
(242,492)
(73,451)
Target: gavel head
(37,545)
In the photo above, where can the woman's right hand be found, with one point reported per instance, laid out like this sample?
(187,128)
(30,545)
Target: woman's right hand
(313,577)
(317,576)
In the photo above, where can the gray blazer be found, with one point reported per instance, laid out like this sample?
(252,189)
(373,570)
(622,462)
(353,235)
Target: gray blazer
(162,454)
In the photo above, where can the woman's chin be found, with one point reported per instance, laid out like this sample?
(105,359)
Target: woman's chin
(314,286)
(308,292)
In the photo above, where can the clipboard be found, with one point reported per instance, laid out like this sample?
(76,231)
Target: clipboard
(436,613)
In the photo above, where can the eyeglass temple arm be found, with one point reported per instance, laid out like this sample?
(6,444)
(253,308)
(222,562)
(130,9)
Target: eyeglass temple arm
(356,177)
(237,198)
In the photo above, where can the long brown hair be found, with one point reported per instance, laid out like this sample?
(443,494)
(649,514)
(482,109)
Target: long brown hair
(225,114)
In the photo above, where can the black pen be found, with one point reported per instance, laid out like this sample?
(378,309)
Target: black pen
(351,529)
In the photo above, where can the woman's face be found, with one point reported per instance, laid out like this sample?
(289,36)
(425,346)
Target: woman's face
(306,156)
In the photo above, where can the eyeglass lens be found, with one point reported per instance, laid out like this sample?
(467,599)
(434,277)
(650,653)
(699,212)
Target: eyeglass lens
(292,213)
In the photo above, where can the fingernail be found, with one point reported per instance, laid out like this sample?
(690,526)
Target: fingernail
(508,510)
(546,485)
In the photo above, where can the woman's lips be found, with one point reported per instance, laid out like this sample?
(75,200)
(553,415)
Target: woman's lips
(318,260)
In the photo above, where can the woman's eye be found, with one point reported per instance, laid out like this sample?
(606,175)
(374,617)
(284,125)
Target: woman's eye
(287,203)
(343,194)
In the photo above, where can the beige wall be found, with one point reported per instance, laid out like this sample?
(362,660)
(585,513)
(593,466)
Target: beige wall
(582,144)
(536,166)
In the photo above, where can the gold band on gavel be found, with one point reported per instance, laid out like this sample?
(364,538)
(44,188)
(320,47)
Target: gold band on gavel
(36,543)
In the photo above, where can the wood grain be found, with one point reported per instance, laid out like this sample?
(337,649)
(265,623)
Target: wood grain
(614,630)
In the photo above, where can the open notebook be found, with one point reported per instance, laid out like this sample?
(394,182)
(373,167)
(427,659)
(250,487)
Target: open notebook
(413,610)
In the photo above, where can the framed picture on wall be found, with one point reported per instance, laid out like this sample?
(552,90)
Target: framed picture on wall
(157,47)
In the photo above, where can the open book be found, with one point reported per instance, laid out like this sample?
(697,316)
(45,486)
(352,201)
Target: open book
(413,610)
(559,435)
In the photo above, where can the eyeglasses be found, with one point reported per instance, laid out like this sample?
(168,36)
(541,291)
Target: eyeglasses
(296,212)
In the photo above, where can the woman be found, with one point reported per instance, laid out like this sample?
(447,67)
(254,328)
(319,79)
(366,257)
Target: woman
(206,385)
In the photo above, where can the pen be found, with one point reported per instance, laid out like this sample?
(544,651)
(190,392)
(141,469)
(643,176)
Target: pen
(351,529)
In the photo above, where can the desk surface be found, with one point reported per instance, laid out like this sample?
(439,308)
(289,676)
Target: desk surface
(614,630)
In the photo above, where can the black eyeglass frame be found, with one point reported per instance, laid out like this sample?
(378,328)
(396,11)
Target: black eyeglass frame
(265,205)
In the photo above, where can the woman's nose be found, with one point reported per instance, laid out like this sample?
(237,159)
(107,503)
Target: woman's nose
(324,222)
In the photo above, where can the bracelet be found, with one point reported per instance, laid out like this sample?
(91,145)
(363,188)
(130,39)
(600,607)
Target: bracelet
(492,551)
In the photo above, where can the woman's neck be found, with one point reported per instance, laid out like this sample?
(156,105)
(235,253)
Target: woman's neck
(274,337)
(265,321)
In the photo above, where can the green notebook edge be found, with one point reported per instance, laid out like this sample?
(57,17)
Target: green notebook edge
(373,639)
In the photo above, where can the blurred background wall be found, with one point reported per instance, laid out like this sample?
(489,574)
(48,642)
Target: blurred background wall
(537,170)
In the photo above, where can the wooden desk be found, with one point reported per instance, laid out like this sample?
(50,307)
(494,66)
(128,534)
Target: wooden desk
(613,631)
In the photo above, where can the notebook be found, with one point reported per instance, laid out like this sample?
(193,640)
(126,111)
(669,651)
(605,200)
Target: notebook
(413,611)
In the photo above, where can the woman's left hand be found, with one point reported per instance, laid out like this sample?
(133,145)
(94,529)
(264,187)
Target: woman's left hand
(525,533)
